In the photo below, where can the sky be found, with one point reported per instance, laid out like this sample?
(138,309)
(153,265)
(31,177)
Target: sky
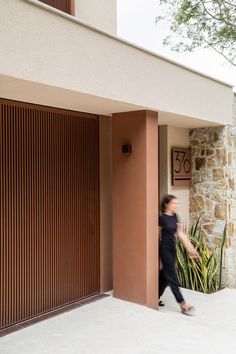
(136,23)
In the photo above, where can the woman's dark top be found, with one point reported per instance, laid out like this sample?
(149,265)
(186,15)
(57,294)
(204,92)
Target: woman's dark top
(169,228)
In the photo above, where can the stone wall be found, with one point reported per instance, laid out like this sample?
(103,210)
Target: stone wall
(234,110)
(213,190)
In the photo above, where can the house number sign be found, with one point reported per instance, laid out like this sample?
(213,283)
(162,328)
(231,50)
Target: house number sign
(181,167)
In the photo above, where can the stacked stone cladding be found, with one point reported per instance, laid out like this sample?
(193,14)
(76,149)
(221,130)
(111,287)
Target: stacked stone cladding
(213,191)
(234,110)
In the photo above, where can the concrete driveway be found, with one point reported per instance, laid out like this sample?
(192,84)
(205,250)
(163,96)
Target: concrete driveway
(112,326)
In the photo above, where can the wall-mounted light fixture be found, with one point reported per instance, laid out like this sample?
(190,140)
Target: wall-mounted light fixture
(127,149)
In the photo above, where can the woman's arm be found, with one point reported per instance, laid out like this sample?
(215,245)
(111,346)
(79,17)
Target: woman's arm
(186,242)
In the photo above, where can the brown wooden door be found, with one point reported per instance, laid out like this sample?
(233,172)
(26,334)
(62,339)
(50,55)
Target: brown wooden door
(63,5)
(49,209)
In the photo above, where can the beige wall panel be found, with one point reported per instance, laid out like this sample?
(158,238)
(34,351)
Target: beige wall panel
(179,137)
(173,137)
(98,13)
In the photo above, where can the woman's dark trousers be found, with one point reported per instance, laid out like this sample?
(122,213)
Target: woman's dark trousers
(168,274)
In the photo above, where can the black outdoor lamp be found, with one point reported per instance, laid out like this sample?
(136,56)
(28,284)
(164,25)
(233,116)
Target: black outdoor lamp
(127,149)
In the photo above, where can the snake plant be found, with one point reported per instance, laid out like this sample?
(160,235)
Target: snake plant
(204,273)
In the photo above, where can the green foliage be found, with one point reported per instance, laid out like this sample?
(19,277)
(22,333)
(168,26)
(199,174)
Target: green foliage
(201,23)
(201,274)
(221,254)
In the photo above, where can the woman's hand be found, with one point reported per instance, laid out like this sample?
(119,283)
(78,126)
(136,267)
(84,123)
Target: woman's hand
(192,253)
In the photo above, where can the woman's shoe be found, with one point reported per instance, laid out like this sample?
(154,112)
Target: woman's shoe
(187,310)
(161,303)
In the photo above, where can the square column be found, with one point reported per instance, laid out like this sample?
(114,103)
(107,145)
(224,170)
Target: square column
(135,207)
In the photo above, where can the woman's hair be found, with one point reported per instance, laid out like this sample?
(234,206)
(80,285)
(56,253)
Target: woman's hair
(165,201)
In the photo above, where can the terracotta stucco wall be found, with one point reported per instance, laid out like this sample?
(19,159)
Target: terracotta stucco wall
(135,207)
(105,171)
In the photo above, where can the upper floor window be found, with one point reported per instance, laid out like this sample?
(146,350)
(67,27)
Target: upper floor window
(63,5)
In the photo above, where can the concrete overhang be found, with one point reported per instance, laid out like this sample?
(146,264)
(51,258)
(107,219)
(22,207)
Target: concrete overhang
(26,91)
(54,59)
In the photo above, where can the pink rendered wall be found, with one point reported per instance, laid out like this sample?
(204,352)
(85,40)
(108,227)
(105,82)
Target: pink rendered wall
(135,207)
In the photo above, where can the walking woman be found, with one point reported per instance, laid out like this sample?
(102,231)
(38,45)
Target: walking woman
(169,229)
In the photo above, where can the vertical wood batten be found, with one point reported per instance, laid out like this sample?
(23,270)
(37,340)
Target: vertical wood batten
(49,209)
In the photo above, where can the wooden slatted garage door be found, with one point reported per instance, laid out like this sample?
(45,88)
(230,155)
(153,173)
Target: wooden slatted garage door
(49,209)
